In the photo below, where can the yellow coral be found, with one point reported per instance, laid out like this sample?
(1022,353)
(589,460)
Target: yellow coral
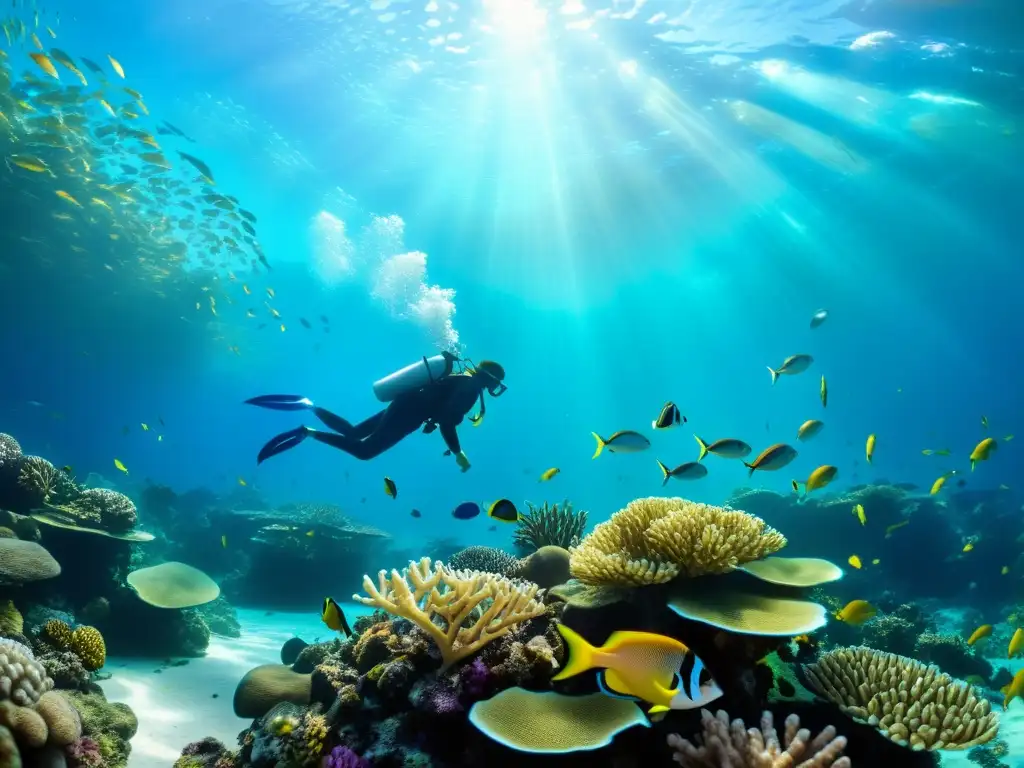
(314,734)
(912,704)
(654,540)
(88,645)
(58,634)
(11,622)
(454,597)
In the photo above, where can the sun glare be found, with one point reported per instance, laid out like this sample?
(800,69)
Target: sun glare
(518,21)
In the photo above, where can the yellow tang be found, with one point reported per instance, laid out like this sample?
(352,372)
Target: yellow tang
(548,474)
(120,466)
(642,665)
(981,632)
(855,562)
(116,65)
(389,485)
(332,615)
(858,511)
(856,612)
(503,511)
(1015,689)
(1016,643)
(983,450)
(869,449)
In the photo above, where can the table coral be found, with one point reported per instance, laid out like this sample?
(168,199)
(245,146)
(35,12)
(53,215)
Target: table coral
(654,540)
(454,597)
(732,744)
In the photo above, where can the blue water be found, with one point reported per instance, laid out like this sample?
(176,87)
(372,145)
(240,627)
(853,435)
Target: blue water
(632,203)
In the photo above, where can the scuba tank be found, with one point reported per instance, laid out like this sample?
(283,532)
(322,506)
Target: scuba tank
(424,371)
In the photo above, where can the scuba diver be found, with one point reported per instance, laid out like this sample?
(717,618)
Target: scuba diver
(426,394)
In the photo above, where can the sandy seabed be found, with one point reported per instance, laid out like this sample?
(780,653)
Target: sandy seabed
(178,705)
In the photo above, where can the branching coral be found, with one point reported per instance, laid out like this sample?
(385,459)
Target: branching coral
(474,607)
(732,744)
(550,525)
(38,477)
(911,703)
(654,540)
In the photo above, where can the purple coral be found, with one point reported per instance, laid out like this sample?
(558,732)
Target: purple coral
(475,679)
(343,757)
(442,700)
(84,753)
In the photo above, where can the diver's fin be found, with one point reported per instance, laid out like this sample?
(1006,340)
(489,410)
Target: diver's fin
(609,690)
(281,443)
(703,448)
(281,402)
(581,653)
(600,445)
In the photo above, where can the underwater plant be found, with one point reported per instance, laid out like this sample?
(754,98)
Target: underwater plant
(556,525)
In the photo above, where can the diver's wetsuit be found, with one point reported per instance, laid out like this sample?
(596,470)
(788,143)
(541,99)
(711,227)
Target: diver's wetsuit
(444,403)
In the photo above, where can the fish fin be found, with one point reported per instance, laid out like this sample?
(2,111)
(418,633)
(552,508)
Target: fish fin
(703,448)
(600,445)
(658,709)
(581,653)
(796,486)
(611,689)
(972,464)
(749,467)
(774,373)
(664,472)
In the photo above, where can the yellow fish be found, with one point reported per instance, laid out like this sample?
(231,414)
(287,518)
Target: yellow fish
(819,478)
(642,665)
(45,64)
(1016,643)
(117,66)
(856,612)
(809,429)
(310,534)
(120,466)
(869,449)
(548,474)
(937,485)
(983,450)
(65,196)
(224,541)
(145,427)
(968,547)
(1015,689)
(241,481)
(858,511)
(855,562)
(106,106)
(332,615)
(1004,570)
(390,488)
(283,329)
(894,527)
(30,163)
(981,632)
(876,561)
(824,392)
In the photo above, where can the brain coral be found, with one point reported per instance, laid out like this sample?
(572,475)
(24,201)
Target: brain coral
(25,561)
(487,559)
(61,718)
(22,679)
(88,645)
(113,510)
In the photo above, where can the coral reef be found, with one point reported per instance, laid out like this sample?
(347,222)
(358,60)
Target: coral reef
(910,702)
(487,559)
(654,540)
(732,744)
(952,655)
(453,597)
(220,617)
(109,725)
(557,525)
(22,678)
(87,643)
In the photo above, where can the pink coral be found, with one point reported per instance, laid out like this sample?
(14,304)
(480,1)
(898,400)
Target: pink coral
(84,753)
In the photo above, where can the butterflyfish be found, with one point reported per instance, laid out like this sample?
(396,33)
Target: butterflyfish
(668,417)
(334,617)
(504,511)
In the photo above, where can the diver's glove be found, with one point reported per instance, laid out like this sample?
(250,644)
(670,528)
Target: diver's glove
(462,460)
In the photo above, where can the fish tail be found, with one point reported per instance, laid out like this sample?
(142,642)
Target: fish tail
(774,373)
(600,445)
(664,472)
(703,448)
(750,468)
(581,653)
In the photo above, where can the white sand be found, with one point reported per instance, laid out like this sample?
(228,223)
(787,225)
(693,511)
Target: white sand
(176,706)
